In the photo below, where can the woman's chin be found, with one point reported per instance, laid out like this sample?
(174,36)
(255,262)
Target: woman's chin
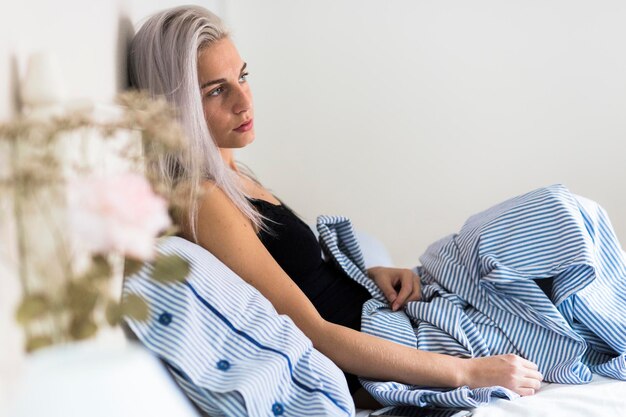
(238,142)
(248,140)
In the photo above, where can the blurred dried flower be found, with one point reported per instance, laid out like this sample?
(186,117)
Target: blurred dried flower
(46,170)
(116,214)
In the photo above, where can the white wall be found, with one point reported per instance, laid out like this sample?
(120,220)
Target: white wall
(408,116)
(419,112)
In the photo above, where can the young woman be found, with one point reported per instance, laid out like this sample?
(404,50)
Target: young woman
(186,55)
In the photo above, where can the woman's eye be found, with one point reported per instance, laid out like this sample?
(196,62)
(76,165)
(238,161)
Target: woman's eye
(244,77)
(215,92)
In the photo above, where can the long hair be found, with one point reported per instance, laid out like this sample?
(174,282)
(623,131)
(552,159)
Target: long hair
(163,60)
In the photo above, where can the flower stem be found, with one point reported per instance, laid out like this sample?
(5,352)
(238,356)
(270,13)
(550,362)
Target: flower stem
(18,196)
(19,220)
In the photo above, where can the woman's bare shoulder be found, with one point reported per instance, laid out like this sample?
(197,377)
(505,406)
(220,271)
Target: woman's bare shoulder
(217,213)
(214,210)
(213,199)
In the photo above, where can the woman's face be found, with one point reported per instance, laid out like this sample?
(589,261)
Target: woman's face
(226,96)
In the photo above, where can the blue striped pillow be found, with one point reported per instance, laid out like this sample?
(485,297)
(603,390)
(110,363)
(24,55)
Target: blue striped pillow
(228,348)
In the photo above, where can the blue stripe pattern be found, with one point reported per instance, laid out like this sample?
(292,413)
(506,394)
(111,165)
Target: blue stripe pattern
(228,348)
(480,298)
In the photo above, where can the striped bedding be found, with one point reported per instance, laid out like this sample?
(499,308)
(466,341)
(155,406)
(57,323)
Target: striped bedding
(480,294)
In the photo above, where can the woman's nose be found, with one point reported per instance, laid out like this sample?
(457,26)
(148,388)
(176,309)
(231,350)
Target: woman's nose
(242,99)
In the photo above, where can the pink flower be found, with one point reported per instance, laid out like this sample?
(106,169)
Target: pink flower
(116,214)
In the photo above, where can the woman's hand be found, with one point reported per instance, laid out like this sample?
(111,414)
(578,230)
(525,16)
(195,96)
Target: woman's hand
(509,371)
(399,285)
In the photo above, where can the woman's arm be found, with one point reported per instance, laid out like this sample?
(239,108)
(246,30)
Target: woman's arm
(229,235)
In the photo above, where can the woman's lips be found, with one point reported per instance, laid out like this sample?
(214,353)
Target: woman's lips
(244,127)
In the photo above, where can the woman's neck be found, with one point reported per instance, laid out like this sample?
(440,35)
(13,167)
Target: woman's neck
(229,159)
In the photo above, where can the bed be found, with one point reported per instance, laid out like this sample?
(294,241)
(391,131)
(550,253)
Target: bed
(601,397)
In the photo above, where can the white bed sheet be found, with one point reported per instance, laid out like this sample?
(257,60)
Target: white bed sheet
(602,397)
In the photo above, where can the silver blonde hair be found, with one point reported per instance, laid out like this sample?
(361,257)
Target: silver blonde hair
(163,60)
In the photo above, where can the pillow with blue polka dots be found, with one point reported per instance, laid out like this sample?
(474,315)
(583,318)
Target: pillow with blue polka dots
(228,348)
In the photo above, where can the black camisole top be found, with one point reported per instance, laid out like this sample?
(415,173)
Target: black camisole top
(295,248)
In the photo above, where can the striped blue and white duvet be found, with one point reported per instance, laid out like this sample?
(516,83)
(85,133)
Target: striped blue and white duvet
(480,296)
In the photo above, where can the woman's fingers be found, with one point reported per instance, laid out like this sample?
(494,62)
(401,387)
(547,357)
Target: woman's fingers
(529,380)
(384,278)
(531,383)
(417,289)
(528,386)
(406,288)
(398,285)
(387,288)
(532,380)
(535,375)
